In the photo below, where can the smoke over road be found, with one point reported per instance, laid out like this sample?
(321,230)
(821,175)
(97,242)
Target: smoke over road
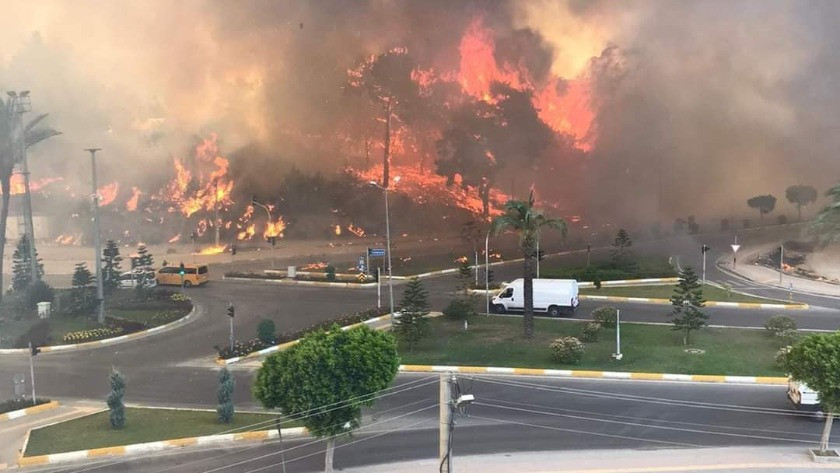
(617,109)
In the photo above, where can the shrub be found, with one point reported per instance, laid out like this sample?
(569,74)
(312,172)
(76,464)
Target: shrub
(92,335)
(128,326)
(266,331)
(567,350)
(39,291)
(330,271)
(38,334)
(605,316)
(780,325)
(17,404)
(590,332)
(459,309)
(781,354)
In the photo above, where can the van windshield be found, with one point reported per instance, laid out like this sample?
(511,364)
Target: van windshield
(505,293)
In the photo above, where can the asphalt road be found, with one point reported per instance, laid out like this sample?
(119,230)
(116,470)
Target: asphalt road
(522,414)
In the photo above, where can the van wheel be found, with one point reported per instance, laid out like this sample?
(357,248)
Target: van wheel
(187,283)
(554,311)
(497,309)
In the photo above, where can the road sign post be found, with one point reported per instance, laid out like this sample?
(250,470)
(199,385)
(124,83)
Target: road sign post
(735,254)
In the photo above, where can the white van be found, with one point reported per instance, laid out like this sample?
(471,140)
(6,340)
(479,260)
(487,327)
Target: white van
(552,296)
(804,398)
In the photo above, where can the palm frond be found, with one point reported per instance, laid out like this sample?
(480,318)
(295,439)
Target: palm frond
(36,136)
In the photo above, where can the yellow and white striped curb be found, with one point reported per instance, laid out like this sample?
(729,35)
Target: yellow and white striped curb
(283,346)
(295,282)
(138,448)
(29,411)
(632,282)
(697,378)
(107,341)
(736,305)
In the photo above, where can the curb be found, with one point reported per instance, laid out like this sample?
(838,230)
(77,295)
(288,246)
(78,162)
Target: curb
(737,305)
(29,411)
(691,378)
(143,333)
(139,448)
(285,282)
(283,346)
(632,282)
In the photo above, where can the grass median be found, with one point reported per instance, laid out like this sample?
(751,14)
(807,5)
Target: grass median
(710,293)
(142,425)
(497,341)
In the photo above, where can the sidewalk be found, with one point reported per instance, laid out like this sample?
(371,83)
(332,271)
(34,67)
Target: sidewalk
(770,277)
(775,459)
(13,432)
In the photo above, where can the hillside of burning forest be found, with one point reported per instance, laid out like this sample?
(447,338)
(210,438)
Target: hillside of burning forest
(603,109)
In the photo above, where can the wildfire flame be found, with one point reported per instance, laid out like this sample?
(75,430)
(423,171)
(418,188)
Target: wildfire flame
(69,240)
(358,231)
(248,233)
(35,185)
(175,238)
(212,250)
(275,229)
(337,230)
(205,187)
(131,204)
(108,193)
(313,266)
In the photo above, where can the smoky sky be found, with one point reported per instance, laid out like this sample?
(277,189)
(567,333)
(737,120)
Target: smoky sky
(698,105)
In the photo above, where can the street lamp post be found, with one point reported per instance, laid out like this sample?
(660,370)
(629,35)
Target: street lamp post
(273,239)
(388,244)
(97,244)
(21,104)
(487,274)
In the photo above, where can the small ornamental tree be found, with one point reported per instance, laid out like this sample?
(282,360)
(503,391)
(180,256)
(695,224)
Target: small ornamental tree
(266,331)
(687,301)
(411,323)
(111,260)
(21,266)
(80,294)
(144,258)
(620,252)
(327,378)
(225,395)
(115,400)
(464,275)
(764,203)
(814,361)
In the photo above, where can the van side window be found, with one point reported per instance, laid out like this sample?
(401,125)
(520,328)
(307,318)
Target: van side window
(202,270)
(168,270)
(191,270)
(508,293)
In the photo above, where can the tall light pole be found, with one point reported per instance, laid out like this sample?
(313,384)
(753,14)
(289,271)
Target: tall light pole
(487,273)
(388,244)
(21,103)
(97,244)
(272,238)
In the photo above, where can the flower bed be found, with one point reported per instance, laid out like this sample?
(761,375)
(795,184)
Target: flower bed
(242,348)
(92,335)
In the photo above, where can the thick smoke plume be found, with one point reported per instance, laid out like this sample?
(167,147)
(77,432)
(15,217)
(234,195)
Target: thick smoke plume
(694,106)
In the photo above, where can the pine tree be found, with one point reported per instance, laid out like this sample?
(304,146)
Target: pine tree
(82,279)
(144,257)
(687,301)
(21,268)
(111,260)
(115,400)
(465,275)
(414,307)
(225,396)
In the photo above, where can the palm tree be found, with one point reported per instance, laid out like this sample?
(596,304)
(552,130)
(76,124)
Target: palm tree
(524,219)
(10,156)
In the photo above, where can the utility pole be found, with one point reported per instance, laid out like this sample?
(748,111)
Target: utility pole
(781,263)
(487,274)
(20,104)
(378,287)
(617,355)
(33,350)
(704,249)
(445,431)
(97,244)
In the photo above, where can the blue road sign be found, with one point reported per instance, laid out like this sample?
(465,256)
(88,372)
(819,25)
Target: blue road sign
(376,251)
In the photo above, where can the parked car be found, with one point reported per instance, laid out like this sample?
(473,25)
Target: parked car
(194,275)
(138,277)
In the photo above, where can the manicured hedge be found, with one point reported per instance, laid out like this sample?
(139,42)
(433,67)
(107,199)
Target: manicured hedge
(18,404)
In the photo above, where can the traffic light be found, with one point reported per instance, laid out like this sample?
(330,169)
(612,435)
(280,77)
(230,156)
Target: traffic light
(182,270)
(233,250)
(704,249)
(230,311)
(33,349)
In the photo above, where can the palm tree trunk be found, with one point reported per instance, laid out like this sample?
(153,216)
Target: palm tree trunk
(6,184)
(328,460)
(829,419)
(530,272)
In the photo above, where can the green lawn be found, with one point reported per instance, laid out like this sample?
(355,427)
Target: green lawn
(711,293)
(497,341)
(142,425)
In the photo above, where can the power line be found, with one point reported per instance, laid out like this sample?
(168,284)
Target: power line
(316,441)
(652,400)
(637,424)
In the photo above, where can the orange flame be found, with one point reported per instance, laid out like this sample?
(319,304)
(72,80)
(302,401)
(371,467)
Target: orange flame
(35,185)
(205,187)
(131,204)
(313,266)
(248,233)
(358,231)
(212,250)
(275,229)
(108,193)
(69,240)
(175,238)
(337,230)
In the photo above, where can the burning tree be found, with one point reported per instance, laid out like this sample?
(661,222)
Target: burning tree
(12,145)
